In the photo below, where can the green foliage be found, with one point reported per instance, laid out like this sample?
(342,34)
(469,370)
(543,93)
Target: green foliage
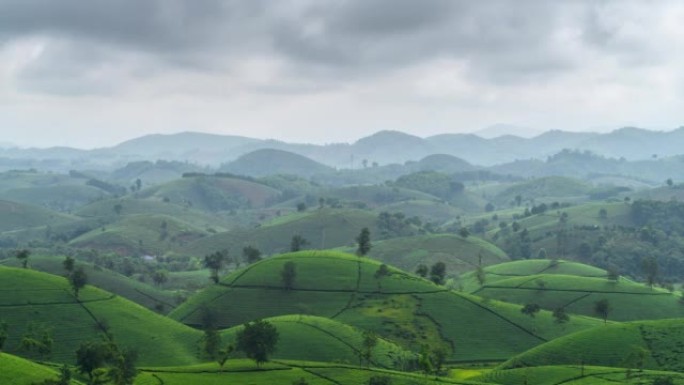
(298,243)
(3,333)
(435,183)
(363,242)
(257,340)
(438,273)
(214,262)
(78,279)
(422,270)
(251,254)
(530,309)
(23,256)
(560,316)
(288,275)
(602,309)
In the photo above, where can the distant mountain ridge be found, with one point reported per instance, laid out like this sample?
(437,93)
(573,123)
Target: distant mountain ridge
(384,147)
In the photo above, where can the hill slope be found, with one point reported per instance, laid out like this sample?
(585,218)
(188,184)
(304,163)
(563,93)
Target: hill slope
(403,308)
(266,162)
(46,301)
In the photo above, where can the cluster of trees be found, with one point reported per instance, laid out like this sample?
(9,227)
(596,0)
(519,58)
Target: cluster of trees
(436,273)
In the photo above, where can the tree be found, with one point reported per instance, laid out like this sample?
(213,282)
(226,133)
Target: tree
(437,273)
(370,340)
(481,275)
(69,264)
(463,232)
(422,270)
(380,273)
(288,275)
(298,243)
(650,268)
(669,182)
(211,342)
(251,254)
(3,334)
(223,355)
(214,262)
(118,208)
(301,207)
(603,213)
(23,256)
(77,280)
(257,340)
(91,356)
(560,316)
(37,339)
(160,277)
(602,309)
(530,309)
(363,242)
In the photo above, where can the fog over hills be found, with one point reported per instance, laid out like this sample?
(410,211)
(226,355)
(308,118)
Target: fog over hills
(381,148)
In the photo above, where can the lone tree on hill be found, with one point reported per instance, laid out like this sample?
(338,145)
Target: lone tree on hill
(23,256)
(650,269)
(437,273)
(464,232)
(298,243)
(69,264)
(560,316)
(363,241)
(257,340)
(481,275)
(251,254)
(3,334)
(160,277)
(530,309)
(602,309)
(370,340)
(77,280)
(214,262)
(288,275)
(422,270)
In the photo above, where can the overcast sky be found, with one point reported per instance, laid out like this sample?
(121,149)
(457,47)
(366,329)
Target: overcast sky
(90,73)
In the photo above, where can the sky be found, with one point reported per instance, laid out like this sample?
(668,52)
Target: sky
(92,73)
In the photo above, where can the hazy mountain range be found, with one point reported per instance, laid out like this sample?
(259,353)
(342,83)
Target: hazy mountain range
(382,148)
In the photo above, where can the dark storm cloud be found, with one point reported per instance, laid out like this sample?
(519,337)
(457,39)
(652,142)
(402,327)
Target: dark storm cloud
(499,41)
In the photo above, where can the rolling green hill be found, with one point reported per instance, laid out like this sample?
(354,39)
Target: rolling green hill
(213,193)
(546,189)
(270,161)
(19,371)
(657,345)
(45,301)
(458,253)
(17,216)
(140,234)
(575,287)
(426,210)
(281,372)
(63,198)
(324,228)
(576,375)
(401,307)
(141,293)
(309,338)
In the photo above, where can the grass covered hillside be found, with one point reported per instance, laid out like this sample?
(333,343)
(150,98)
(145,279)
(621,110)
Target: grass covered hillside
(283,372)
(458,253)
(398,306)
(322,228)
(141,293)
(547,189)
(573,286)
(18,371)
(45,303)
(19,216)
(270,161)
(140,234)
(309,338)
(657,345)
(577,375)
(213,193)
(529,267)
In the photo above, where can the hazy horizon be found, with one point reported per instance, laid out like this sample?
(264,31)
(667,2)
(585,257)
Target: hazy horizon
(94,74)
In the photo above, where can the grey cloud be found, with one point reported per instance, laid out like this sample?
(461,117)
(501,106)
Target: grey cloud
(502,41)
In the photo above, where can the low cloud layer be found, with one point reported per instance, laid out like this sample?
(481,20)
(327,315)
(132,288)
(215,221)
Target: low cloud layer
(89,73)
